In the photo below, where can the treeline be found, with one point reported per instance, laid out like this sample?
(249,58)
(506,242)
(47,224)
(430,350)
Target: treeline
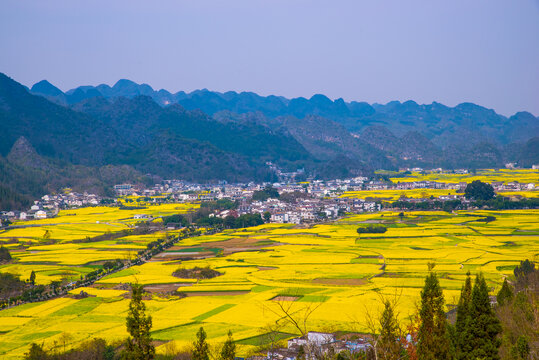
(497,203)
(371,229)
(204,217)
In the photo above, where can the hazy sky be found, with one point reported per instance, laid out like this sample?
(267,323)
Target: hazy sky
(484,51)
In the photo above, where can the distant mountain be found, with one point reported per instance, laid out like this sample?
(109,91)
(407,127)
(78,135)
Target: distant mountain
(92,137)
(464,124)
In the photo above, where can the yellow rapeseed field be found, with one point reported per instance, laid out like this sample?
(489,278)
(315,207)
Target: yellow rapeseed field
(327,265)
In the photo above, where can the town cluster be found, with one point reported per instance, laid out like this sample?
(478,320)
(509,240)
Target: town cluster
(49,205)
(299,202)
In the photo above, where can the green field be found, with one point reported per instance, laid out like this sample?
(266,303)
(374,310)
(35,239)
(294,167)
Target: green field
(328,264)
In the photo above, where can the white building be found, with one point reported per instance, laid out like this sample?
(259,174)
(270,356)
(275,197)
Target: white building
(40,214)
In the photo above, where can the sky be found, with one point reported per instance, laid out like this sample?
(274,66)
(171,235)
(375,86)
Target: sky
(481,51)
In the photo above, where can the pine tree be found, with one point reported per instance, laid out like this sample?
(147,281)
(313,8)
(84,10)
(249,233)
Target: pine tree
(139,345)
(505,295)
(433,338)
(228,352)
(484,326)
(461,342)
(389,347)
(32,277)
(200,346)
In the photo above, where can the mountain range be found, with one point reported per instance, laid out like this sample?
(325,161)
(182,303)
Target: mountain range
(91,137)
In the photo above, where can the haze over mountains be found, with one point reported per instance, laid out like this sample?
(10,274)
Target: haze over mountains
(92,137)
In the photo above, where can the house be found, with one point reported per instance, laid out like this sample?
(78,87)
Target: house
(22,215)
(279,218)
(40,214)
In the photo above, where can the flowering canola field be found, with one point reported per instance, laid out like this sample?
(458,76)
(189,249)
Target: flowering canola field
(327,265)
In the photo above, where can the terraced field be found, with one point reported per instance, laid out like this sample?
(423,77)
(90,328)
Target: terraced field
(485,175)
(61,247)
(327,265)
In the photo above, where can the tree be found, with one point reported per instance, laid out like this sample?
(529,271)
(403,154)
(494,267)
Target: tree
(267,216)
(139,345)
(389,348)
(371,229)
(526,267)
(478,190)
(4,254)
(228,352)
(461,344)
(484,326)
(200,346)
(263,195)
(32,278)
(433,338)
(505,294)
(36,352)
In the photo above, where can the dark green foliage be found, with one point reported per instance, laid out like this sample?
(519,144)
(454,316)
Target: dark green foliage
(433,338)
(94,349)
(228,352)
(267,193)
(460,339)
(196,273)
(4,254)
(525,268)
(175,219)
(113,265)
(518,320)
(505,295)
(200,346)
(267,216)
(11,199)
(32,277)
(242,221)
(529,153)
(483,327)
(389,346)
(10,285)
(139,345)
(371,229)
(36,352)
(478,190)
(292,197)
(220,204)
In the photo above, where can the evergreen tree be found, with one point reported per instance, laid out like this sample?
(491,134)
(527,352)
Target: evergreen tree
(32,277)
(139,345)
(505,295)
(433,338)
(389,347)
(228,352)
(461,343)
(484,326)
(200,346)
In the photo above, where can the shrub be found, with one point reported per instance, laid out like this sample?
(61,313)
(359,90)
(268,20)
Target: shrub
(372,229)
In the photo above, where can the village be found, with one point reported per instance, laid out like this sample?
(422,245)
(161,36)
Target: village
(298,202)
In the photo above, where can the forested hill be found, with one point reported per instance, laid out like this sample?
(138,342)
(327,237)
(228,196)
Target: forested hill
(92,137)
(441,124)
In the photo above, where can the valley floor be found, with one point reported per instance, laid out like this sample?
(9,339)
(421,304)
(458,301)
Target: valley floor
(328,266)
